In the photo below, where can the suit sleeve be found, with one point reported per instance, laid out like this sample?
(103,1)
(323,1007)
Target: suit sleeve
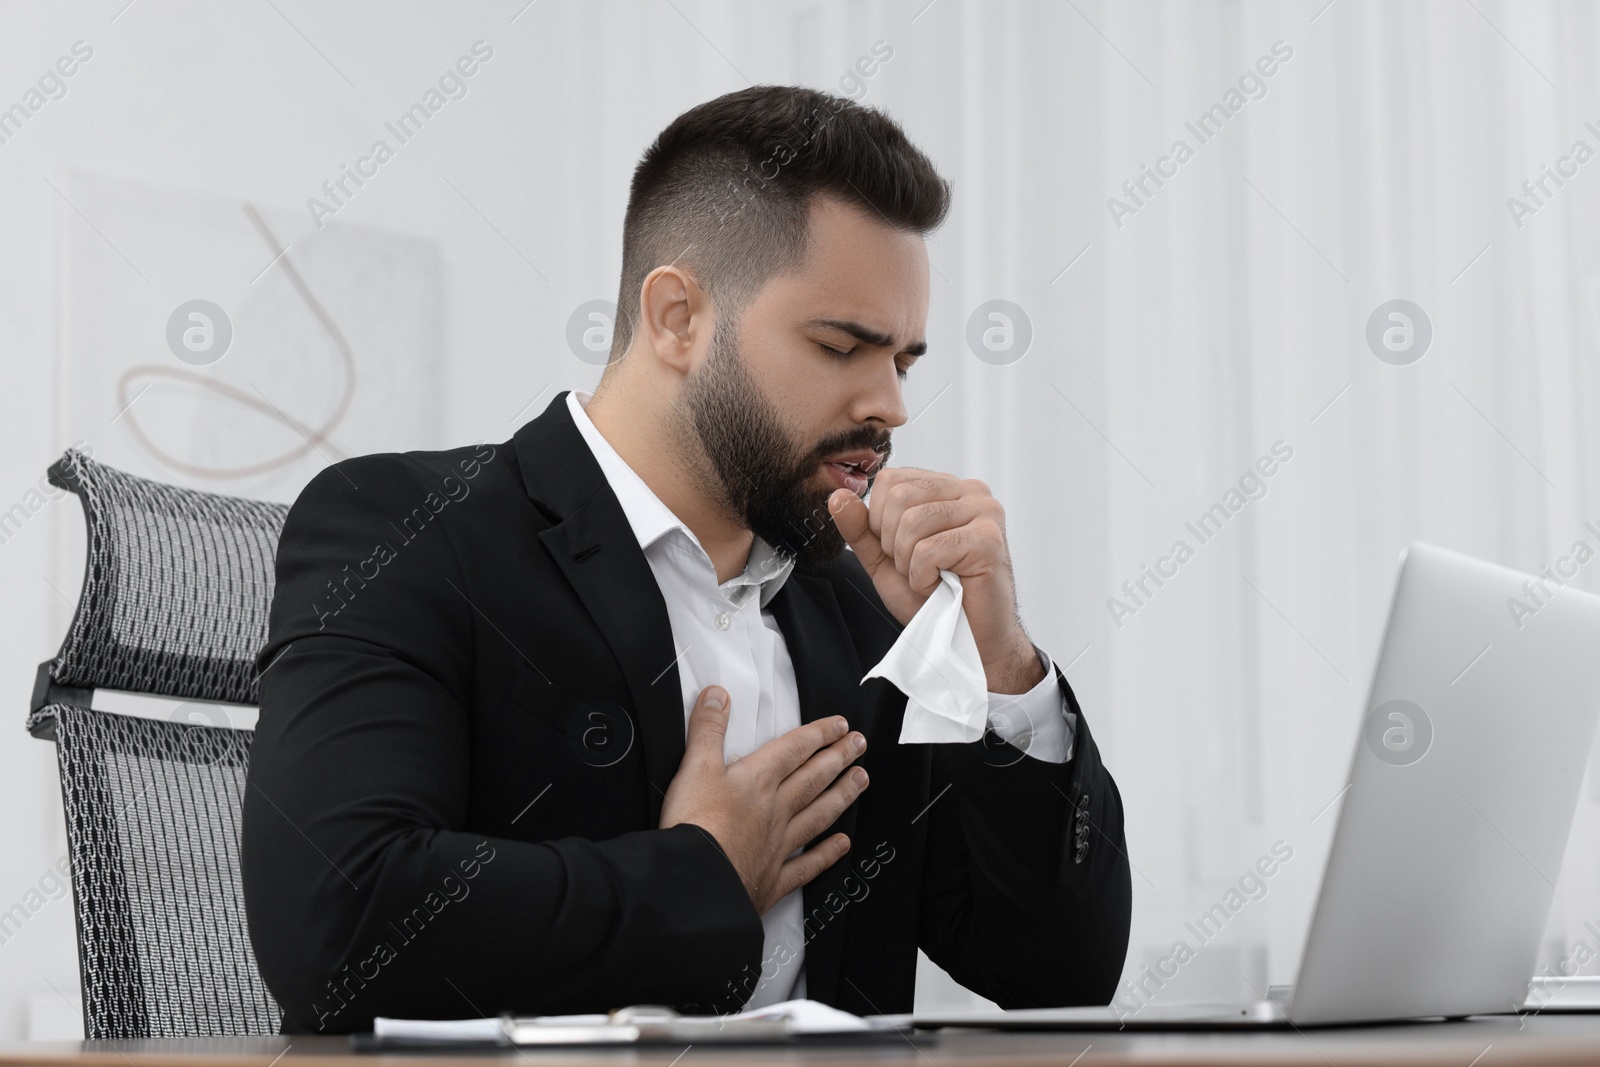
(1026,895)
(366,892)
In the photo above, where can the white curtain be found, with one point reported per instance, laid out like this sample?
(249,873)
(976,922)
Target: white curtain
(1221,316)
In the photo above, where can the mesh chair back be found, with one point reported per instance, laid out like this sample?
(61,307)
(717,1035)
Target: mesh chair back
(176,590)
(153,822)
(175,602)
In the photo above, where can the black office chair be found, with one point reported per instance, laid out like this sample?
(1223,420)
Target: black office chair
(174,604)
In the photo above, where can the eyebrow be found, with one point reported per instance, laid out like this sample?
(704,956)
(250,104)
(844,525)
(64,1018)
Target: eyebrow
(865,334)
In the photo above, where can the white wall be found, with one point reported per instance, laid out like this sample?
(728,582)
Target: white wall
(1168,352)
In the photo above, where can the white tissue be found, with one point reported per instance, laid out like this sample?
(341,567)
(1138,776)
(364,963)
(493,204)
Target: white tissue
(935,664)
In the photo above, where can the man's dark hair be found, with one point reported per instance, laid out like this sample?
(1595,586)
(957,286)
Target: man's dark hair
(725,190)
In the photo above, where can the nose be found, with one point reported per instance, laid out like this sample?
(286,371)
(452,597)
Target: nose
(882,396)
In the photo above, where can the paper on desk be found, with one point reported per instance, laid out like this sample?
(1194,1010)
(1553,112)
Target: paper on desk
(935,664)
(802,1017)
(806,1016)
(440,1029)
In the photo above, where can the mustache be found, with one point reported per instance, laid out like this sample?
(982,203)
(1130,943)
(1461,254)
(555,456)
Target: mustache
(866,437)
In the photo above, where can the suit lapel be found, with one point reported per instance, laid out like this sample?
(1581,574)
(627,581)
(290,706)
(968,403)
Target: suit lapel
(827,672)
(595,547)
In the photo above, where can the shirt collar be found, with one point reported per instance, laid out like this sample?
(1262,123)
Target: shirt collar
(652,520)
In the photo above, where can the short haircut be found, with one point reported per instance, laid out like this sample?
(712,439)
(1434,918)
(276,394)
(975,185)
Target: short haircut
(725,191)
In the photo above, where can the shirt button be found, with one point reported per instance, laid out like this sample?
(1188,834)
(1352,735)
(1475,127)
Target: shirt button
(1022,740)
(722,621)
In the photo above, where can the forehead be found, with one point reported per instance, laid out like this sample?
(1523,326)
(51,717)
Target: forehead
(856,268)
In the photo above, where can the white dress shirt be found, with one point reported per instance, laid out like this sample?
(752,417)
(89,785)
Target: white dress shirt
(719,641)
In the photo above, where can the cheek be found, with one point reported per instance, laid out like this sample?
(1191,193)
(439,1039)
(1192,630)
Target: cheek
(814,406)
(803,390)
(807,392)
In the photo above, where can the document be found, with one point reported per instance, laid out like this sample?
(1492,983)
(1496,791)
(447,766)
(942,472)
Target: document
(789,1020)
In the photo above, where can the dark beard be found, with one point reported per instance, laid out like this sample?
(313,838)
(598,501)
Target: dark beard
(754,472)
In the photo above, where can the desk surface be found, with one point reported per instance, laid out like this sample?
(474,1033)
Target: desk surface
(1483,1041)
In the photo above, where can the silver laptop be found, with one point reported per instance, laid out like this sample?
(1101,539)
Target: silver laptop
(1462,790)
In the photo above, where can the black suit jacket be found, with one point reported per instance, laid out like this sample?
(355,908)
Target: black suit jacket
(470,714)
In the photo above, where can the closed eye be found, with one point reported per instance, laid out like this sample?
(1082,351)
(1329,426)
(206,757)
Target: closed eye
(837,354)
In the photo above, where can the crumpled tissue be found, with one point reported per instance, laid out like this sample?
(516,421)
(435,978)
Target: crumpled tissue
(935,664)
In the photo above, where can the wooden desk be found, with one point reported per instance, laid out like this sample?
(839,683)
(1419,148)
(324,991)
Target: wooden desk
(1483,1041)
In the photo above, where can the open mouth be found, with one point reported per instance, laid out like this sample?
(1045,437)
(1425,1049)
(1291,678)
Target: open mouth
(853,476)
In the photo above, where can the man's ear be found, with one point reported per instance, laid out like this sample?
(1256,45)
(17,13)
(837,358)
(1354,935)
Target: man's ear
(676,317)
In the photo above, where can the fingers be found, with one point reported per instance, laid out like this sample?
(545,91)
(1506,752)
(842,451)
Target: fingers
(909,505)
(851,518)
(808,781)
(780,757)
(923,521)
(708,726)
(899,488)
(909,509)
(966,550)
(825,810)
(810,863)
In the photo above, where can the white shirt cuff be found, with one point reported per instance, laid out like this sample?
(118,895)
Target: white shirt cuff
(1037,722)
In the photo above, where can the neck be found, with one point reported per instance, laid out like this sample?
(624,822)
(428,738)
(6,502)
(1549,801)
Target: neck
(646,437)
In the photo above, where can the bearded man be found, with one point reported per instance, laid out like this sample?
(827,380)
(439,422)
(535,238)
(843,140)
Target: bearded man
(576,720)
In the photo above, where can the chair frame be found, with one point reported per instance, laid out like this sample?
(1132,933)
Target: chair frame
(115,999)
